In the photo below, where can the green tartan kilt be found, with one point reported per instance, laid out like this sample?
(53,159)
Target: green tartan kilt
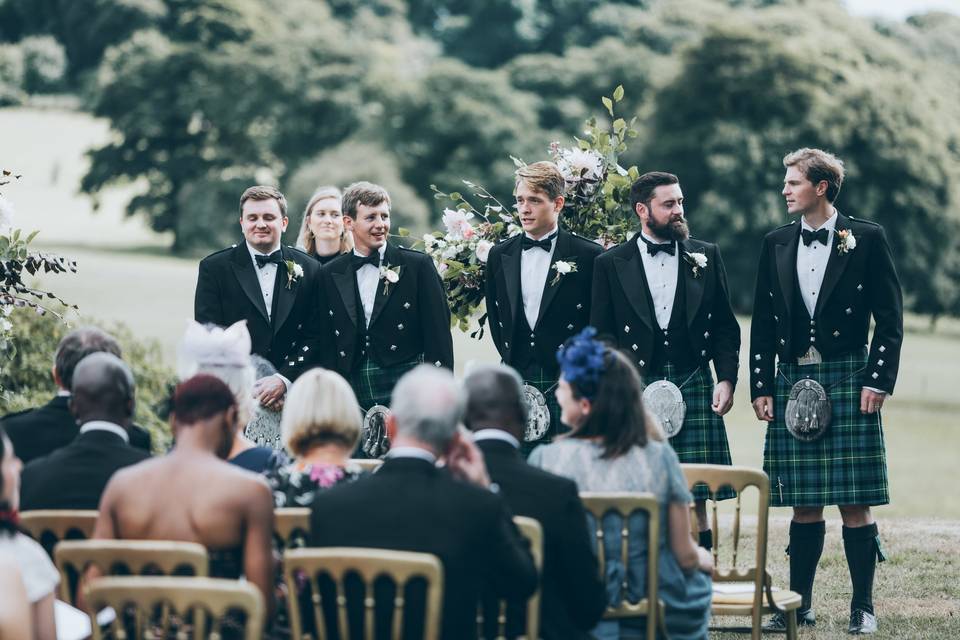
(847,465)
(546,384)
(703,437)
(373,384)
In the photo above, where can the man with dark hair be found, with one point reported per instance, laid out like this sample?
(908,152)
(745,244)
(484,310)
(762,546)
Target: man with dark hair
(383,307)
(662,298)
(818,284)
(41,430)
(74,476)
(538,288)
(573,597)
(271,286)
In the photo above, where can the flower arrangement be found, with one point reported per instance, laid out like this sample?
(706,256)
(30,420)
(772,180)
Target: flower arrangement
(597,199)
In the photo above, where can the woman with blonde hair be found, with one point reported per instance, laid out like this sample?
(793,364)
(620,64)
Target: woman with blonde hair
(320,428)
(322,234)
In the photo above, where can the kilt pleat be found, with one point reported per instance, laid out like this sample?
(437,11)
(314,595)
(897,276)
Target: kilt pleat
(847,465)
(373,383)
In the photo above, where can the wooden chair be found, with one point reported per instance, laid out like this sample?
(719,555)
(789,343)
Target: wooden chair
(177,598)
(291,526)
(73,557)
(368,465)
(625,504)
(533,532)
(751,601)
(50,526)
(368,564)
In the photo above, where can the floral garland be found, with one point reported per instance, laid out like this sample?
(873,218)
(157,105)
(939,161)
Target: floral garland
(597,198)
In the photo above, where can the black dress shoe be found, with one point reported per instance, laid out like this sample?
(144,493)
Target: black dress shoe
(778,621)
(862,622)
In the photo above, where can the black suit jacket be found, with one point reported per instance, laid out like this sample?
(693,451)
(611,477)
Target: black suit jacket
(409,318)
(564,308)
(621,309)
(572,598)
(228,290)
(42,430)
(410,505)
(856,284)
(75,476)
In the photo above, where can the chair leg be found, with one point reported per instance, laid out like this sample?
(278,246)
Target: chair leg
(792,625)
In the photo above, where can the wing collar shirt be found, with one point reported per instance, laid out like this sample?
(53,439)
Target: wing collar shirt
(812,262)
(534,267)
(103,425)
(368,277)
(661,271)
(266,276)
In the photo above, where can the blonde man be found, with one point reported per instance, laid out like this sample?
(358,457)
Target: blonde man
(538,287)
(819,281)
(322,232)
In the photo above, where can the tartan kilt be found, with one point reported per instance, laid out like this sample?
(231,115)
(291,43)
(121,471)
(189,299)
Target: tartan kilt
(537,377)
(847,465)
(703,437)
(373,384)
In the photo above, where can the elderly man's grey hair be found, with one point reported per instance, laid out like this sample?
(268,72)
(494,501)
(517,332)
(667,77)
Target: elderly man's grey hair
(428,405)
(495,398)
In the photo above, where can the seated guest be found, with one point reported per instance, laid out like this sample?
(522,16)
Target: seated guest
(39,576)
(225,353)
(192,495)
(614,447)
(322,233)
(102,403)
(320,427)
(412,505)
(39,431)
(573,597)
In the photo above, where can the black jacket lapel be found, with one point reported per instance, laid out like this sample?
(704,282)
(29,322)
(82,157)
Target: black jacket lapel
(511,273)
(346,281)
(633,281)
(393,259)
(560,253)
(285,297)
(244,270)
(787,268)
(694,286)
(836,263)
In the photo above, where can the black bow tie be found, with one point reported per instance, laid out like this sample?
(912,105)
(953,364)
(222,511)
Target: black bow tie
(545,243)
(373,258)
(274,257)
(653,248)
(820,235)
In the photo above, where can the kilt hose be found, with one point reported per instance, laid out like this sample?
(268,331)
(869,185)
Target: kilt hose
(703,437)
(536,377)
(847,465)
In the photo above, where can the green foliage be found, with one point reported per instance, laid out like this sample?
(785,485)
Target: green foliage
(11,75)
(27,381)
(45,64)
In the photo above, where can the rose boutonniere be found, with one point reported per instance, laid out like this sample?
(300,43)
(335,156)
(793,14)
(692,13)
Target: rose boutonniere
(389,275)
(697,261)
(294,272)
(562,268)
(846,242)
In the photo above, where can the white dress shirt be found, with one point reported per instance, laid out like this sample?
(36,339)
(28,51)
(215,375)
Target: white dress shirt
(812,263)
(103,425)
(534,267)
(411,452)
(267,276)
(661,271)
(495,434)
(368,278)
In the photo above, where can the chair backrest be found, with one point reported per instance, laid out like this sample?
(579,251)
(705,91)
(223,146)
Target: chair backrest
(50,526)
(369,564)
(179,600)
(533,532)
(367,464)
(716,477)
(625,504)
(291,526)
(72,558)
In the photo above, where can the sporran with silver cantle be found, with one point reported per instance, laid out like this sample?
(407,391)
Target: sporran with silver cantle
(665,401)
(538,414)
(373,434)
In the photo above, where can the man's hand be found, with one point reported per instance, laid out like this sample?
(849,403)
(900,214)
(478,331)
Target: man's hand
(763,407)
(270,391)
(465,461)
(871,401)
(722,397)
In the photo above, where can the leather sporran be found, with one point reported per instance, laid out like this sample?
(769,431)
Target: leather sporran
(808,411)
(538,414)
(373,435)
(664,400)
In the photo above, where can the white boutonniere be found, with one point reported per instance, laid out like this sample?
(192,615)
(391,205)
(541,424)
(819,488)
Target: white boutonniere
(697,261)
(389,275)
(562,268)
(294,272)
(846,242)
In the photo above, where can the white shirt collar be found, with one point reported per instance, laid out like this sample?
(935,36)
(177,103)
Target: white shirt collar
(556,229)
(253,252)
(412,452)
(496,434)
(382,250)
(103,425)
(829,225)
(63,393)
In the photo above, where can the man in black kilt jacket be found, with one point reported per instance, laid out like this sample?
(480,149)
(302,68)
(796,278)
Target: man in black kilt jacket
(662,298)
(538,287)
(384,309)
(818,283)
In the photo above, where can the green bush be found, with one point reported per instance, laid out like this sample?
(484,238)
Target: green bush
(44,64)
(11,75)
(26,381)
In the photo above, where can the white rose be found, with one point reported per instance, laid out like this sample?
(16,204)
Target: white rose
(450,252)
(483,250)
(297,271)
(561,266)
(456,221)
(700,259)
(391,276)
(428,240)
(851,241)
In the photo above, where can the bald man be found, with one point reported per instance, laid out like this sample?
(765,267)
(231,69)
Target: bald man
(102,401)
